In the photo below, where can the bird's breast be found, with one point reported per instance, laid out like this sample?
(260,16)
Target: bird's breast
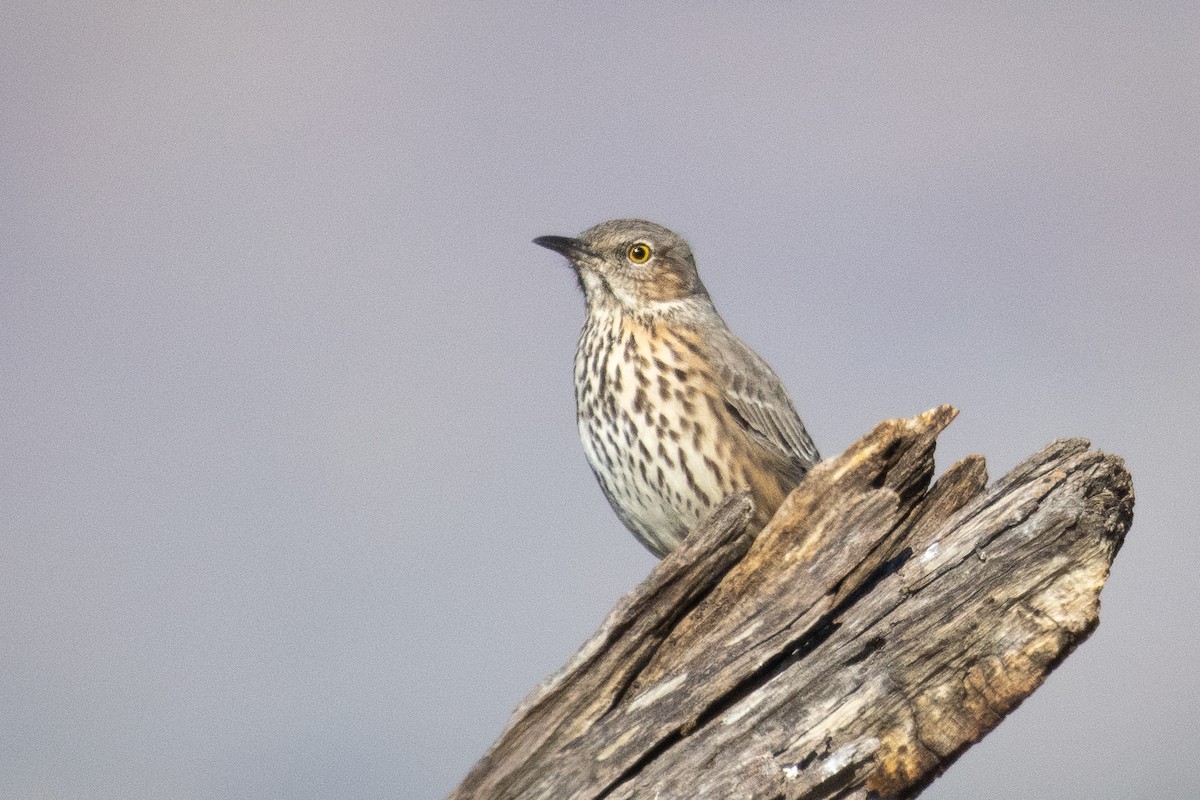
(649,418)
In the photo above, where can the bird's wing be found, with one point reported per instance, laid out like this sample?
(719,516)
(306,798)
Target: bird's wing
(757,396)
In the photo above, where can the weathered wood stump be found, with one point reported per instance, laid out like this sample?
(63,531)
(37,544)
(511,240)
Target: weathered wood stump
(873,631)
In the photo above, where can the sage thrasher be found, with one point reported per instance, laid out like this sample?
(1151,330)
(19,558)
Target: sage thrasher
(674,411)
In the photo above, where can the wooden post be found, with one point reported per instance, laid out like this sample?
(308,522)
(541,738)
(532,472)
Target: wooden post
(875,629)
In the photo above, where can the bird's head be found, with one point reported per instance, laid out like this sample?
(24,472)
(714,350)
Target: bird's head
(640,265)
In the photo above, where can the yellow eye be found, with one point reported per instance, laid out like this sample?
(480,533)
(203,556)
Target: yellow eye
(639,253)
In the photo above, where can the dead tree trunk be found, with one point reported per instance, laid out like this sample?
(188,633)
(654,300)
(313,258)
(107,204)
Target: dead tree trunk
(873,631)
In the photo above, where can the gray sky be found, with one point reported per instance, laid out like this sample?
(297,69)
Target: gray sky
(293,503)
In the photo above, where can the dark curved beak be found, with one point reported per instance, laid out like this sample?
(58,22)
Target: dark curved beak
(571,248)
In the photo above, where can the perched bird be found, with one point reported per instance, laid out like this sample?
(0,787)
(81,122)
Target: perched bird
(674,411)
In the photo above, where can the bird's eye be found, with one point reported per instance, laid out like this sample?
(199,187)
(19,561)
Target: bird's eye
(639,253)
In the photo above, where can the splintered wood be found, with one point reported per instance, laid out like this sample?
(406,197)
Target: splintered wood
(875,629)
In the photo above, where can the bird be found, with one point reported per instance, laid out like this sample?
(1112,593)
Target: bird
(674,411)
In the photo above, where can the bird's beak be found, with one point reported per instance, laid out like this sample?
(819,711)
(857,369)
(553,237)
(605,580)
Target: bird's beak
(573,249)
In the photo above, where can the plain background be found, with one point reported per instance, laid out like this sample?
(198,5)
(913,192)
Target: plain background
(291,500)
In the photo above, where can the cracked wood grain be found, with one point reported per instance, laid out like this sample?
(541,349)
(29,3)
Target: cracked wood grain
(875,629)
